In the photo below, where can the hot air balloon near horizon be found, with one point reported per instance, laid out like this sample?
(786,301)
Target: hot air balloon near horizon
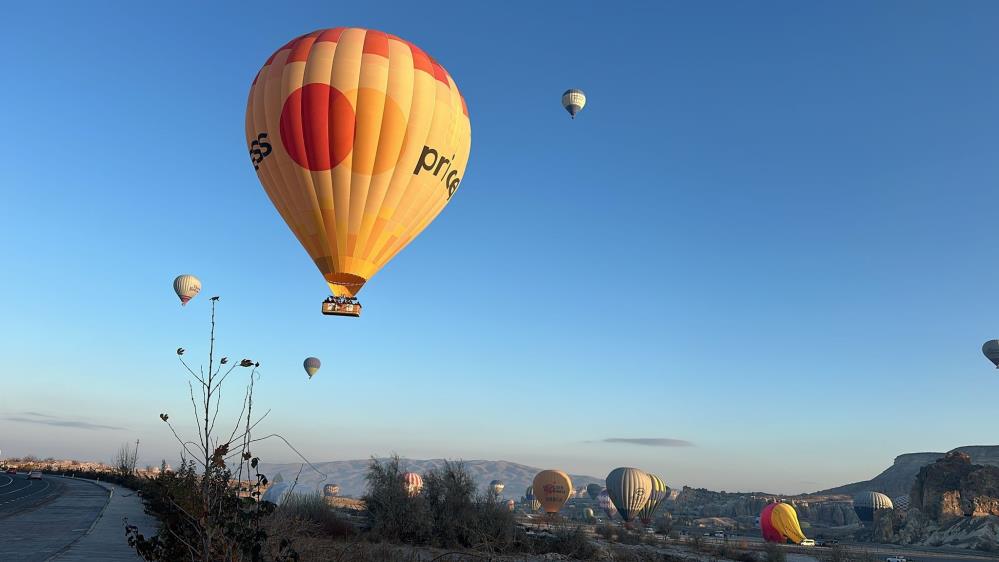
(629,489)
(779,524)
(657,494)
(331,490)
(551,488)
(412,483)
(866,503)
(311,365)
(496,487)
(510,505)
(991,351)
(573,101)
(593,490)
(606,504)
(187,287)
(360,139)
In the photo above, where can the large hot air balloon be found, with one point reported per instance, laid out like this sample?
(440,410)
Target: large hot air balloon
(412,483)
(187,287)
(779,524)
(496,487)
(331,490)
(605,503)
(593,490)
(551,487)
(656,496)
(629,490)
(311,365)
(866,503)
(991,351)
(360,139)
(573,101)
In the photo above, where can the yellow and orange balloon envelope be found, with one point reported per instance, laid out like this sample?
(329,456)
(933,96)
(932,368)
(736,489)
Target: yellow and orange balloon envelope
(551,488)
(360,139)
(779,524)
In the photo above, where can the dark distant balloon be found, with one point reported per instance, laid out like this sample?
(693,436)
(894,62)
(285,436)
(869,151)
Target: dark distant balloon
(311,366)
(866,503)
(991,351)
(593,490)
(529,494)
(510,504)
(496,486)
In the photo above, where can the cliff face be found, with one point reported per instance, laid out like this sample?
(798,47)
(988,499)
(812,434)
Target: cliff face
(954,487)
(699,503)
(898,479)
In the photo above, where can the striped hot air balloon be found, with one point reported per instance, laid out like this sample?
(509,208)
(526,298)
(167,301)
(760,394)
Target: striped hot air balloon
(866,503)
(360,140)
(331,490)
(606,504)
(779,524)
(656,496)
(573,101)
(187,287)
(412,483)
(629,489)
(312,366)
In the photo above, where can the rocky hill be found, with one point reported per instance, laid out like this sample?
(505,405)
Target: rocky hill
(898,479)
(350,474)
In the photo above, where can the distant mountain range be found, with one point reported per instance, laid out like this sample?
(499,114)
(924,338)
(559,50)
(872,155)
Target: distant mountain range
(898,479)
(350,474)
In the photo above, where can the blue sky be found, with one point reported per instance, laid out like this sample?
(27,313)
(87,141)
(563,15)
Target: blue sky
(769,233)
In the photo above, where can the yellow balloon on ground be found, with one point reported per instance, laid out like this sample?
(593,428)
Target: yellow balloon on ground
(785,521)
(551,488)
(360,139)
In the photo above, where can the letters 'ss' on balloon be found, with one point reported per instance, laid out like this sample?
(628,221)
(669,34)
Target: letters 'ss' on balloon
(360,140)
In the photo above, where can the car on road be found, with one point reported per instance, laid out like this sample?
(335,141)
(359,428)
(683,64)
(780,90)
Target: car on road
(897,559)
(719,534)
(34,475)
(11,471)
(808,542)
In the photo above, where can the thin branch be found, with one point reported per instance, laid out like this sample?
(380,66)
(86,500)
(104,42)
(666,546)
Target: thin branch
(290,446)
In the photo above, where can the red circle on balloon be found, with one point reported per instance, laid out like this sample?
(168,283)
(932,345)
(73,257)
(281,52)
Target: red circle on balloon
(317,126)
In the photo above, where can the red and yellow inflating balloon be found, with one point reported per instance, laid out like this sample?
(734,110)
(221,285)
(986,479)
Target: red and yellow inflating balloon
(360,139)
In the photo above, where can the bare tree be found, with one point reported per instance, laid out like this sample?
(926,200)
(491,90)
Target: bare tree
(125,459)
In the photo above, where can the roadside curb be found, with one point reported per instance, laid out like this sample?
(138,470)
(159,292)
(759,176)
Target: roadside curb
(93,524)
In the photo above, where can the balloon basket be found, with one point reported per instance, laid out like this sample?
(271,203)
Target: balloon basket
(342,309)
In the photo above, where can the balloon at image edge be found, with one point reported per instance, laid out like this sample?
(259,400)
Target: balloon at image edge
(311,366)
(187,287)
(991,351)
(360,139)
(551,488)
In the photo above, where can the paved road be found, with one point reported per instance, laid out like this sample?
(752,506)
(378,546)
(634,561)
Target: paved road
(17,493)
(66,519)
